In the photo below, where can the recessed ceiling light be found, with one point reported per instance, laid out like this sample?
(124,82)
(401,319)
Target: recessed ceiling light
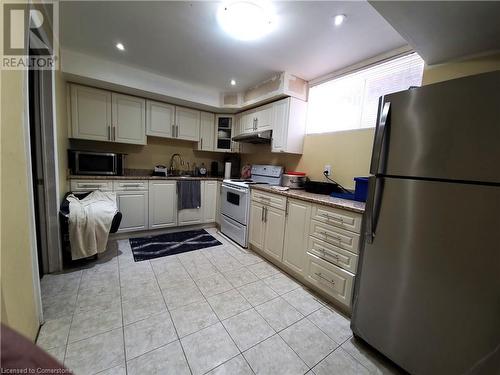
(339,19)
(120,46)
(233,82)
(246,19)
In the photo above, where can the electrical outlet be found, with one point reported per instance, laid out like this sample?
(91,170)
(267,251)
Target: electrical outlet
(328,169)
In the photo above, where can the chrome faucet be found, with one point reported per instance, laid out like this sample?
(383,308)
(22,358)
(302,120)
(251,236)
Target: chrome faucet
(180,163)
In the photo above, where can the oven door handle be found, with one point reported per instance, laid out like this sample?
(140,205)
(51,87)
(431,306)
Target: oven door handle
(234,188)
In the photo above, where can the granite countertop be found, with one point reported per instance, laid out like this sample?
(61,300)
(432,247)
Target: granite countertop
(139,174)
(326,200)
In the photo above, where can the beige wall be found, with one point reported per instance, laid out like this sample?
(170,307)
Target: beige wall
(443,72)
(17,293)
(349,152)
(157,151)
(61,115)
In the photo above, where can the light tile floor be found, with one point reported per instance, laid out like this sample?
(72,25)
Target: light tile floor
(220,310)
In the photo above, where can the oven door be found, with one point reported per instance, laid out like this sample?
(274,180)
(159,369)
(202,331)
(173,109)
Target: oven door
(234,203)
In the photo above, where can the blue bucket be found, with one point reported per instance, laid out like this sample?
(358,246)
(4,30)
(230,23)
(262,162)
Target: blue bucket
(361,189)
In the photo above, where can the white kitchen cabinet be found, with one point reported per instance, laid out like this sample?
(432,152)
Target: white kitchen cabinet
(207,132)
(134,208)
(258,119)
(296,234)
(289,125)
(209,202)
(160,118)
(129,119)
(247,122)
(191,216)
(162,204)
(187,124)
(225,129)
(219,200)
(257,226)
(90,113)
(274,221)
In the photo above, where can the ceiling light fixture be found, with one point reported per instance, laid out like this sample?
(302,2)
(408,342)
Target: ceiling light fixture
(339,19)
(233,82)
(120,46)
(246,19)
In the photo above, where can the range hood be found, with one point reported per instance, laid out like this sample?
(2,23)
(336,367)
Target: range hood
(255,138)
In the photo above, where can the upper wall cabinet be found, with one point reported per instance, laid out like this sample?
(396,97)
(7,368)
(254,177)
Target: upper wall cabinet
(104,116)
(160,118)
(289,125)
(207,132)
(90,113)
(258,119)
(187,124)
(129,119)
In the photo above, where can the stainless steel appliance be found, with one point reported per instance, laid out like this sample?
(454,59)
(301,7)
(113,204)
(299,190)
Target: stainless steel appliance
(258,137)
(294,180)
(235,201)
(95,163)
(427,294)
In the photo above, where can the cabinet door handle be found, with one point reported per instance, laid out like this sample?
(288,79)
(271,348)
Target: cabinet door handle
(201,140)
(265,217)
(114,133)
(109,132)
(324,278)
(176,131)
(262,214)
(328,217)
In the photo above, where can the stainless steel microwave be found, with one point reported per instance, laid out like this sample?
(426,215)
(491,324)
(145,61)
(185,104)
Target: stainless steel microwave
(96,163)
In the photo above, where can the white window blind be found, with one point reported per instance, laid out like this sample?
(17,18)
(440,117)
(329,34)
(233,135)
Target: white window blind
(351,101)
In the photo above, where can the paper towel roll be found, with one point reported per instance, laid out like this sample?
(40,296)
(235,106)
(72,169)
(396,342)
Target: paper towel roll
(227,171)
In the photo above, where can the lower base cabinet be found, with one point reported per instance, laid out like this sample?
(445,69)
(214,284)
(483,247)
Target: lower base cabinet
(134,208)
(275,232)
(209,202)
(257,225)
(297,226)
(162,204)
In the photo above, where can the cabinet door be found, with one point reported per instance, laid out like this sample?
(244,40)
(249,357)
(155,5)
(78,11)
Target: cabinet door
(129,119)
(224,131)
(296,234)
(274,232)
(187,123)
(247,122)
(219,199)
(264,118)
(257,225)
(280,124)
(209,202)
(160,119)
(90,113)
(207,132)
(162,204)
(134,207)
(192,216)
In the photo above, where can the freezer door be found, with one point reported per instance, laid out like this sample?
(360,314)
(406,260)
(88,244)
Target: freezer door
(427,293)
(448,130)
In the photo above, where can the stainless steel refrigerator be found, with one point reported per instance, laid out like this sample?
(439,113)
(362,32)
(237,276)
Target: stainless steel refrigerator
(427,294)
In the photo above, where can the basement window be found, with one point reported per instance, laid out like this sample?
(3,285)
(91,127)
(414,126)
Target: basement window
(351,101)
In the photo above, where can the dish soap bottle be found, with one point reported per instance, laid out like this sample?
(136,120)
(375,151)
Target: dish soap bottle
(203,170)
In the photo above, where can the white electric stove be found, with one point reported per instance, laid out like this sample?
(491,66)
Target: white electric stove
(235,201)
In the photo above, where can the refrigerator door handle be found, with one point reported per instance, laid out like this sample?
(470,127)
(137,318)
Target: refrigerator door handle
(383,123)
(373,207)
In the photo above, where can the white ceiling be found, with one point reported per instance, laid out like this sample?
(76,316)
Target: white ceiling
(444,30)
(182,40)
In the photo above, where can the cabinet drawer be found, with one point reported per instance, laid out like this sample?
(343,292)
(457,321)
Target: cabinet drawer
(335,236)
(136,185)
(337,217)
(88,185)
(333,254)
(273,200)
(330,279)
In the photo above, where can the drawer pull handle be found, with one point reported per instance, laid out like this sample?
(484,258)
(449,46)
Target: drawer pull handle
(328,235)
(330,255)
(91,186)
(328,217)
(266,198)
(324,278)
(132,185)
